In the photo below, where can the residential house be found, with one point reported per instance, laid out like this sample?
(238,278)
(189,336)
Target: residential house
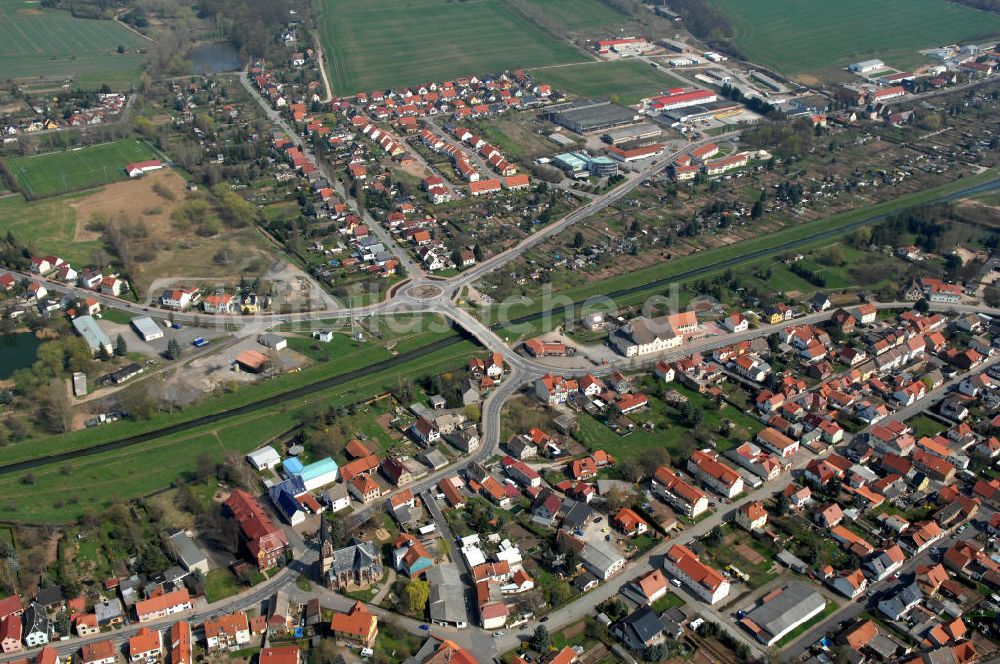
(705,582)
(686,499)
(639,630)
(751,516)
(161,606)
(227,632)
(357,627)
(146,646)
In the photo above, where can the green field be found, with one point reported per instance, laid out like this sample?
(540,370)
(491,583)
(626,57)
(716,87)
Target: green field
(374,45)
(628,80)
(72,170)
(589,16)
(806,36)
(51,44)
(60,492)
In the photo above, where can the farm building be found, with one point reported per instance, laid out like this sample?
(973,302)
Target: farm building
(146,328)
(274,341)
(187,553)
(866,66)
(251,361)
(264,458)
(682,98)
(590,115)
(783,610)
(623,46)
(715,109)
(140,168)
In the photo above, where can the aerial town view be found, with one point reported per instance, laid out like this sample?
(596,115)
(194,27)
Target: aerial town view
(499,331)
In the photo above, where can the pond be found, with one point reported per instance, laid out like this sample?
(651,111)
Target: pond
(17,351)
(214,58)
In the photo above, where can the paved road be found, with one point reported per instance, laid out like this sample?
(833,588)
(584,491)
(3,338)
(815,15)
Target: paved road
(653,167)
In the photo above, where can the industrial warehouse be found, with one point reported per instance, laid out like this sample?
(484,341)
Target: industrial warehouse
(591,115)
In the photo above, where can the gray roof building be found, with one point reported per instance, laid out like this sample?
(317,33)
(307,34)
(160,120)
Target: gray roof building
(187,553)
(91,332)
(147,328)
(641,629)
(779,615)
(109,612)
(447,598)
(590,115)
(36,626)
(602,561)
(899,604)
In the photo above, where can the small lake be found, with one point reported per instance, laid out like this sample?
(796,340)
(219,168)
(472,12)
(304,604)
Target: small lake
(214,58)
(17,351)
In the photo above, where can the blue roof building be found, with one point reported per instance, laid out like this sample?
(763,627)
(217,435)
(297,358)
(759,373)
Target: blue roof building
(284,497)
(292,466)
(320,473)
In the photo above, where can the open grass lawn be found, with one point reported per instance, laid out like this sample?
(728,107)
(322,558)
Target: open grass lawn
(48,226)
(759,573)
(806,36)
(667,602)
(51,44)
(626,80)
(925,426)
(374,45)
(220,583)
(341,346)
(81,168)
(670,432)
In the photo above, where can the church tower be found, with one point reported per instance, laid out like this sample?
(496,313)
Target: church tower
(325,551)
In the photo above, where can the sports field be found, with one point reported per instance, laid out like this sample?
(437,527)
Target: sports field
(62,172)
(807,36)
(51,43)
(373,45)
(627,80)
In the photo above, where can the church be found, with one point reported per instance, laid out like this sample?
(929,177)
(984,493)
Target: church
(354,567)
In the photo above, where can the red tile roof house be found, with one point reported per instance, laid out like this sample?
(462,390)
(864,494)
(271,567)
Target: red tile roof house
(10,633)
(146,646)
(161,606)
(101,652)
(629,523)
